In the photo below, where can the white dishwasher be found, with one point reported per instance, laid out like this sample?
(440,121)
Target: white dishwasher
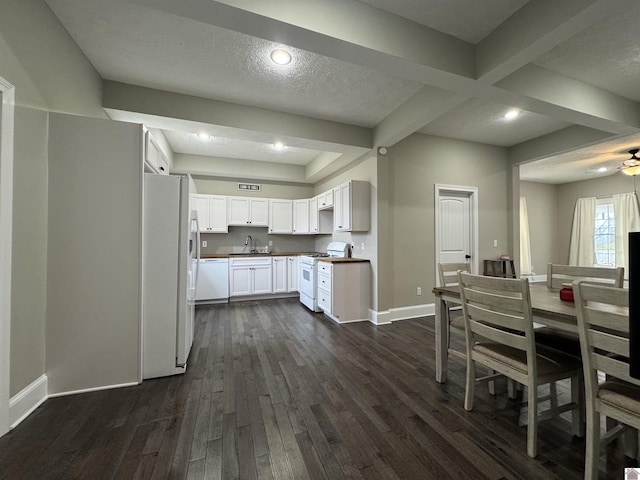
(213,280)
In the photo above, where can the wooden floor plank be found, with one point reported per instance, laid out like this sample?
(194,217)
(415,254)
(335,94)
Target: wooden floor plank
(273,391)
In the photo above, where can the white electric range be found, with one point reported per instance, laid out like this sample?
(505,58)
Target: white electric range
(308,273)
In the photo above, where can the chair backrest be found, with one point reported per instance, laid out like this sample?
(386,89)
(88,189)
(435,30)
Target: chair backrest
(448,272)
(603,325)
(499,310)
(559,274)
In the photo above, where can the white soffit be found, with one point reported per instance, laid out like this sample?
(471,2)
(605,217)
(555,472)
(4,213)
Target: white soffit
(581,164)
(482,121)
(140,46)
(469,20)
(189,143)
(606,55)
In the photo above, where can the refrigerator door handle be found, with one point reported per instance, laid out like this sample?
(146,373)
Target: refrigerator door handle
(195,219)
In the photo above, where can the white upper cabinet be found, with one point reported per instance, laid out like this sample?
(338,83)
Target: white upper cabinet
(325,200)
(352,207)
(280,216)
(252,212)
(155,159)
(313,215)
(301,217)
(212,213)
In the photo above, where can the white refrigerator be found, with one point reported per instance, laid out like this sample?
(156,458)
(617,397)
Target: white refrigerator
(170,267)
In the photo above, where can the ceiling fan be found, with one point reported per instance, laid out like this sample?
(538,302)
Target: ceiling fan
(632,165)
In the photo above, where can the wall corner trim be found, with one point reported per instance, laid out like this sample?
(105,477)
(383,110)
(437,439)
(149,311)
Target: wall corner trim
(24,403)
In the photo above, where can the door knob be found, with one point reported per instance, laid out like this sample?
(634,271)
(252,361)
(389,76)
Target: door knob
(467,257)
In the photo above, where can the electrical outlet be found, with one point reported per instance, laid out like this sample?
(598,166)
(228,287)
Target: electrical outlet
(361,245)
(495,243)
(270,243)
(419,291)
(204,244)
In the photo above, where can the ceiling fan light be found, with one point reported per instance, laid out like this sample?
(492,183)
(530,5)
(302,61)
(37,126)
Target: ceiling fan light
(632,171)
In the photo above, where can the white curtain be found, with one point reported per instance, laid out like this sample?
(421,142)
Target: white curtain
(525,241)
(582,248)
(627,218)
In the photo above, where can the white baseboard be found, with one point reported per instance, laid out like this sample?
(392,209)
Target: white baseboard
(401,313)
(94,389)
(535,278)
(24,403)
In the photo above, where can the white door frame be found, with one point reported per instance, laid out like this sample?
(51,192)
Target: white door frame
(472,192)
(7,97)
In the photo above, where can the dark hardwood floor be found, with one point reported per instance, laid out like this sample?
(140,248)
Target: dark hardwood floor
(273,391)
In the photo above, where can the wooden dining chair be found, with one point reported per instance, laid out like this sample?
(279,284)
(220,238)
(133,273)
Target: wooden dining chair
(499,335)
(448,276)
(603,325)
(559,274)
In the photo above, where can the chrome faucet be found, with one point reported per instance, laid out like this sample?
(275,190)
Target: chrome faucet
(249,241)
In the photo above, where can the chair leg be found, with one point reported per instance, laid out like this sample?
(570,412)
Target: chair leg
(577,396)
(532,416)
(470,385)
(492,384)
(553,394)
(512,388)
(592,450)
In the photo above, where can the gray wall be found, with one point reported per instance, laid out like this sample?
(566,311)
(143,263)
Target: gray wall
(542,205)
(94,253)
(416,164)
(50,73)
(568,193)
(29,269)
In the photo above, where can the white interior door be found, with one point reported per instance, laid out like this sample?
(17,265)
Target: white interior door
(456,225)
(7,95)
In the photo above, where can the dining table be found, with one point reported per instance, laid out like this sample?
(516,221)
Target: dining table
(546,306)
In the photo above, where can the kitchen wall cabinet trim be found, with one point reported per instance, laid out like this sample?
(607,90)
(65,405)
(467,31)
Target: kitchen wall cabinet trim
(301,217)
(280,216)
(352,207)
(212,213)
(252,212)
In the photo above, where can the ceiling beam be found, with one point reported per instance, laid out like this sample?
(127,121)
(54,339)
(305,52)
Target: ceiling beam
(562,141)
(131,98)
(536,28)
(346,30)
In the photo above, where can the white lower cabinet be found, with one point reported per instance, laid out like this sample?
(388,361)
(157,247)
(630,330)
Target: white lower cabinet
(250,276)
(344,290)
(280,275)
(292,274)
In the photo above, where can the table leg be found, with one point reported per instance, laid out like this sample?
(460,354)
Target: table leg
(442,340)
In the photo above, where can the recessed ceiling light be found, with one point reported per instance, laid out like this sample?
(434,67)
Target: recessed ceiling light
(511,114)
(203,136)
(280,56)
(601,169)
(279,146)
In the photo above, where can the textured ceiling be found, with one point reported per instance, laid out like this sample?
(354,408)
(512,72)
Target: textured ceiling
(606,55)
(481,121)
(581,164)
(469,20)
(356,84)
(131,44)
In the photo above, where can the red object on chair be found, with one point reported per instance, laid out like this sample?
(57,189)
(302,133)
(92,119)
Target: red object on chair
(566,294)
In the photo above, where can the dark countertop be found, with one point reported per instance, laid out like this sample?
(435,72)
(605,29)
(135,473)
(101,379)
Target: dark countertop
(342,260)
(240,255)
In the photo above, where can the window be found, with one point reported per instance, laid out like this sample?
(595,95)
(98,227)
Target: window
(605,233)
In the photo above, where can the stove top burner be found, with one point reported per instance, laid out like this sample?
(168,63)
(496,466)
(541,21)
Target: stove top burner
(314,255)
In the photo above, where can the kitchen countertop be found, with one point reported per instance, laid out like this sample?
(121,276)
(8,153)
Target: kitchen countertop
(271,254)
(342,260)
